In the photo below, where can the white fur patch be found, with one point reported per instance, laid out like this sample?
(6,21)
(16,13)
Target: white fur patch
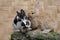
(25,23)
(17,27)
(18,17)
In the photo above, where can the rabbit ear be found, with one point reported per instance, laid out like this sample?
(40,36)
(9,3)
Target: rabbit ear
(22,11)
(17,12)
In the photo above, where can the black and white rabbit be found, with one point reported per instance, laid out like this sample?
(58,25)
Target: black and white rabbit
(21,22)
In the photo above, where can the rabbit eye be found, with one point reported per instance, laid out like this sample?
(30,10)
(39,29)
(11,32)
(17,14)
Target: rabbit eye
(32,13)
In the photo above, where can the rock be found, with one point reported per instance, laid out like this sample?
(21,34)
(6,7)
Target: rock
(35,35)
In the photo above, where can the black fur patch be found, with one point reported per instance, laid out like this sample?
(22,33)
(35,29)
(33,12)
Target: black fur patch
(22,24)
(21,14)
(16,20)
(27,23)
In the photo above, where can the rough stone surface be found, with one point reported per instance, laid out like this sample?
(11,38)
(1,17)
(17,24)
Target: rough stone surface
(35,35)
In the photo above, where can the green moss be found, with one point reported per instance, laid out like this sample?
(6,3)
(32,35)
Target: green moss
(38,36)
(49,36)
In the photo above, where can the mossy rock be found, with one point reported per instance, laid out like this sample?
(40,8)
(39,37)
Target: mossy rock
(46,36)
(38,36)
(18,36)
